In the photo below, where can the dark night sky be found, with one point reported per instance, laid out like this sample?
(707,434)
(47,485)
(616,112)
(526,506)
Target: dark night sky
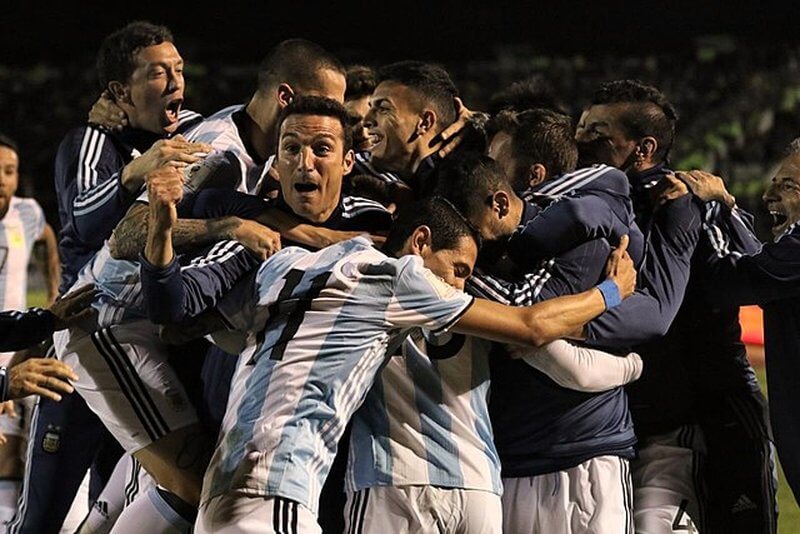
(31,32)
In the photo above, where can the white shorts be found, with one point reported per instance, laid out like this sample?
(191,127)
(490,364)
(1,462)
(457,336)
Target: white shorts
(664,482)
(234,513)
(594,497)
(423,509)
(125,378)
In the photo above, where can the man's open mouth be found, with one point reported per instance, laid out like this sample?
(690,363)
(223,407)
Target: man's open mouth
(173,109)
(778,218)
(305,187)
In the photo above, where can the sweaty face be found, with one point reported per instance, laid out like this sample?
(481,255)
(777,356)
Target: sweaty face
(602,139)
(155,89)
(782,197)
(455,265)
(311,162)
(391,123)
(9,176)
(356,109)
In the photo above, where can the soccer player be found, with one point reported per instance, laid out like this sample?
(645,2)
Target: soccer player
(415,120)
(767,277)
(697,378)
(311,181)
(579,435)
(323,323)
(98,173)
(22,225)
(422,454)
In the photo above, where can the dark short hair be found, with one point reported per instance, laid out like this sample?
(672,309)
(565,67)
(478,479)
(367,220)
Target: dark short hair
(430,82)
(649,113)
(531,93)
(296,62)
(538,136)
(7,142)
(319,105)
(360,82)
(116,59)
(469,180)
(448,226)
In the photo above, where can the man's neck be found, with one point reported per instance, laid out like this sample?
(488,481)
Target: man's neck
(261,127)
(516,208)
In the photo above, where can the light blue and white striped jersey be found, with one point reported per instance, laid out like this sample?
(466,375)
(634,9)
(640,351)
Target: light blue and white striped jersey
(19,229)
(118,282)
(425,422)
(323,323)
(220,131)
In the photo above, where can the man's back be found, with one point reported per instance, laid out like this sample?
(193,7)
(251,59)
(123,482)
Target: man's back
(322,324)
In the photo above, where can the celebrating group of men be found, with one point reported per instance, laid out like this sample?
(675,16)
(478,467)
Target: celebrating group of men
(352,304)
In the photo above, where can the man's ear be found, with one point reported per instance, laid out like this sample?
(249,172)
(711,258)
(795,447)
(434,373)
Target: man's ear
(119,92)
(420,240)
(501,203)
(349,160)
(427,122)
(647,148)
(537,173)
(284,94)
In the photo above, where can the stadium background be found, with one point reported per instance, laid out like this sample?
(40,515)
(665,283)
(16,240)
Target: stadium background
(733,71)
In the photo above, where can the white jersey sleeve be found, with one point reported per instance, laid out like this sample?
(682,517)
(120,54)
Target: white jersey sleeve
(583,369)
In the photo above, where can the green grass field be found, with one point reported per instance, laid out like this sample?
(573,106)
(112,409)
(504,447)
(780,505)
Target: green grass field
(789,519)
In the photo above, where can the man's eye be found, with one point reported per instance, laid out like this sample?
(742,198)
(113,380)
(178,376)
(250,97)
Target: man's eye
(291,149)
(322,150)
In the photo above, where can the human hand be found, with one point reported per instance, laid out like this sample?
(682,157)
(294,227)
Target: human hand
(175,152)
(452,136)
(46,377)
(105,112)
(620,269)
(669,188)
(707,187)
(73,307)
(257,238)
(164,191)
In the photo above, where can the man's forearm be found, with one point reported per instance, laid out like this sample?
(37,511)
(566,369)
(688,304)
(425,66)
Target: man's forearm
(130,236)
(533,325)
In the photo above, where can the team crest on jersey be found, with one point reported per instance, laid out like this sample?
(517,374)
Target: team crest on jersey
(51,441)
(16,238)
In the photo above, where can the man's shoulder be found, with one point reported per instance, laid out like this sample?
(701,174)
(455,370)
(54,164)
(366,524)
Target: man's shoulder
(598,177)
(358,210)
(218,128)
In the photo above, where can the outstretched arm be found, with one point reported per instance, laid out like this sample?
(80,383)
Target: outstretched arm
(555,318)
(581,368)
